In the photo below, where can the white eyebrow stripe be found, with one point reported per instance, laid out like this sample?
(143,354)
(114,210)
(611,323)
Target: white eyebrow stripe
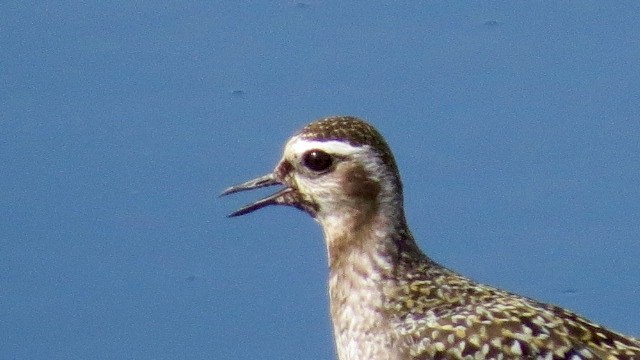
(299,146)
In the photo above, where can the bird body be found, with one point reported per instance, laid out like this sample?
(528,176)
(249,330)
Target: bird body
(388,300)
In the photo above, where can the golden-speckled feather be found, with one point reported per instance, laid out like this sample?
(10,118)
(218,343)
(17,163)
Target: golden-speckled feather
(388,299)
(447,316)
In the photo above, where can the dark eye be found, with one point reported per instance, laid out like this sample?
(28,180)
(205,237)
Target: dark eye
(317,160)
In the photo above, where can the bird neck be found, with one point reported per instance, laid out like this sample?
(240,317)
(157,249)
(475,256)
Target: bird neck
(375,235)
(365,261)
(371,229)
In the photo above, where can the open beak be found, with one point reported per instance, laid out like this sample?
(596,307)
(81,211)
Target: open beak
(285,196)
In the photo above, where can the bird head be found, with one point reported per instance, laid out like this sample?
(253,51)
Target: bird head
(338,169)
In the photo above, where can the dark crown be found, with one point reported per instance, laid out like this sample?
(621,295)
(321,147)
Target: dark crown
(352,130)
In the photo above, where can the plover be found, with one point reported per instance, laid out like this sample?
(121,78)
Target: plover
(389,300)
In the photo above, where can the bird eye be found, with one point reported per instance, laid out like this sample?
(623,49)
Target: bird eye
(317,160)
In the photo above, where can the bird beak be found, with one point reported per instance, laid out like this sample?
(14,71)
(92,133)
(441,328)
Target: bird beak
(285,196)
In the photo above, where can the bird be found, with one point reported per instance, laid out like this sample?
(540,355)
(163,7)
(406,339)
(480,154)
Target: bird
(388,299)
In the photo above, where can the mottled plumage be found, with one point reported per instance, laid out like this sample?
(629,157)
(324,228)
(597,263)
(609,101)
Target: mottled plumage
(388,299)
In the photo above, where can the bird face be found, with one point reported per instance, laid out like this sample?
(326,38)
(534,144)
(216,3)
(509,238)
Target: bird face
(334,177)
(321,178)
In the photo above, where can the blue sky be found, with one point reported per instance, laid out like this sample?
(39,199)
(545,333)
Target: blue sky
(515,126)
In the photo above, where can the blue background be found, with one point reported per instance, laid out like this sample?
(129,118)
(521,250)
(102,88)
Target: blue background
(515,125)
